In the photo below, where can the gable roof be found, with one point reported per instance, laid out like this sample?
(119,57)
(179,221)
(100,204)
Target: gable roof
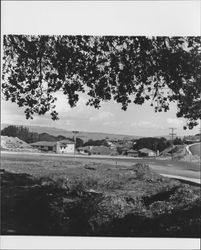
(51,143)
(146,150)
(67,141)
(44,143)
(132,151)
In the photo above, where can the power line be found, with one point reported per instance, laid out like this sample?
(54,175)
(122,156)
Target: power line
(75,136)
(172,134)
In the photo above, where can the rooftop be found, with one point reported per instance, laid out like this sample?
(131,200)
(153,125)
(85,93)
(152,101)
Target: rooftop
(44,143)
(51,143)
(145,150)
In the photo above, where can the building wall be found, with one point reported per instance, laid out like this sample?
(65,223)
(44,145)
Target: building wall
(44,148)
(151,154)
(147,154)
(133,154)
(65,149)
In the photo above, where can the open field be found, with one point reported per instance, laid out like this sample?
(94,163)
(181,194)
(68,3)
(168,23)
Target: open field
(55,163)
(49,195)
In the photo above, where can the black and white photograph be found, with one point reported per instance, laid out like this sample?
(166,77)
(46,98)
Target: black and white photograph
(100,127)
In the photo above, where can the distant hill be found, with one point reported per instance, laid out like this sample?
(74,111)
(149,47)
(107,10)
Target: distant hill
(48,137)
(85,136)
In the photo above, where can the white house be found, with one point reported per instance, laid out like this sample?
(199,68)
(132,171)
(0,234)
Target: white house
(146,152)
(65,147)
(60,147)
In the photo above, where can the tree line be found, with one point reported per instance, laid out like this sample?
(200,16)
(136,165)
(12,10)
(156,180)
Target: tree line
(24,134)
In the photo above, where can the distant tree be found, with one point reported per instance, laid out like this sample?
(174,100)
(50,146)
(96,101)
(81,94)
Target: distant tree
(79,142)
(152,143)
(16,131)
(24,134)
(127,69)
(178,141)
(96,143)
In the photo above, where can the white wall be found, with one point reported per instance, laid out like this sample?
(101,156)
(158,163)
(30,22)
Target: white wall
(68,149)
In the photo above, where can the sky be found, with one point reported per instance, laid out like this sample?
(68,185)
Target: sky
(139,120)
(86,18)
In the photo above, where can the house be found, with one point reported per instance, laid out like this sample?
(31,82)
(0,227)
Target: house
(85,149)
(65,147)
(190,139)
(96,150)
(101,150)
(146,152)
(124,150)
(44,145)
(111,145)
(132,153)
(60,147)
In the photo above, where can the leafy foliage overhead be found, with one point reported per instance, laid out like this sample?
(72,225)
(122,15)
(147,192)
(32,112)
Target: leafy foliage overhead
(126,69)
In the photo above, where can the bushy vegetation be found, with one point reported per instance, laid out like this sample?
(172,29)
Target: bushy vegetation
(96,143)
(178,141)
(152,143)
(18,131)
(131,202)
(24,134)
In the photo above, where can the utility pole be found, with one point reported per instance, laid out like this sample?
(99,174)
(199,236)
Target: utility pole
(75,136)
(172,134)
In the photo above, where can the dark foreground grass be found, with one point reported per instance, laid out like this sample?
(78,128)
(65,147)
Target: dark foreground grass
(97,200)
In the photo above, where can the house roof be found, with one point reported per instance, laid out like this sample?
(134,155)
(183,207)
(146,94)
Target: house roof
(146,150)
(67,141)
(51,143)
(44,143)
(132,151)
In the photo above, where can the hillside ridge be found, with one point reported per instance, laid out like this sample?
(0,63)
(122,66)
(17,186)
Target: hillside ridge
(84,135)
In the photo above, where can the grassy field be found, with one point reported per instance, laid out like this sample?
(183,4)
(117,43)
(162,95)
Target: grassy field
(48,195)
(55,164)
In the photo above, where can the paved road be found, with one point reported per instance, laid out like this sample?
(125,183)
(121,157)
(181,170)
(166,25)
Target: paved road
(185,170)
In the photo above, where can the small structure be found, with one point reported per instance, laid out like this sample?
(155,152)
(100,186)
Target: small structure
(111,145)
(65,147)
(60,147)
(84,150)
(132,153)
(101,150)
(44,145)
(95,150)
(146,152)
(124,150)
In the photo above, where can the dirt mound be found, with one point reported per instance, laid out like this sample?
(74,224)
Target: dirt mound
(14,144)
